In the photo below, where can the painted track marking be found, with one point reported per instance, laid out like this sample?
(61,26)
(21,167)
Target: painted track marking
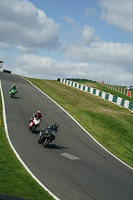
(70,156)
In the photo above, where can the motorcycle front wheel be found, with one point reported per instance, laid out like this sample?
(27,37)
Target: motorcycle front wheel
(33,128)
(39,141)
(46,142)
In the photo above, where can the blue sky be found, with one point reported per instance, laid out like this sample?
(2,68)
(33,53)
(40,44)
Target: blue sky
(49,39)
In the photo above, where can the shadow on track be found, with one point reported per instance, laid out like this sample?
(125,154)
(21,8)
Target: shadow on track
(36,132)
(16,98)
(53,146)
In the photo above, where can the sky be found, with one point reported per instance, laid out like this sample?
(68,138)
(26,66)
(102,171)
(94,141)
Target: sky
(50,39)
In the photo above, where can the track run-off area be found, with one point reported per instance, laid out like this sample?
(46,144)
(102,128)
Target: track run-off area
(74,166)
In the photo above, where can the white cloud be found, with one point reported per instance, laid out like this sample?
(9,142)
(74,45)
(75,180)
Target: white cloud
(118,13)
(42,67)
(88,35)
(46,67)
(69,20)
(97,58)
(89,12)
(101,52)
(30,65)
(27,29)
(4,46)
(89,48)
(26,50)
(21,23)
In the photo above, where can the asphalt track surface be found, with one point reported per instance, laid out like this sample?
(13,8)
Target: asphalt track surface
(74,167)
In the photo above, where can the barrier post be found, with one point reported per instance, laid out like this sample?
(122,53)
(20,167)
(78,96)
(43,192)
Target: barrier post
(129,94)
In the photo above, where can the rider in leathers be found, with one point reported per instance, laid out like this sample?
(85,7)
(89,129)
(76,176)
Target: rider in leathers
(52,127)
(13,87)
(37,115)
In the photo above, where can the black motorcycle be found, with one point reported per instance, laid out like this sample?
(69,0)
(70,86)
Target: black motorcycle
(46,137)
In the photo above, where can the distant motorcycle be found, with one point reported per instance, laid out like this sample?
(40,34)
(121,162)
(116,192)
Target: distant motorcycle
(12,92)
(34,123)
(46,136)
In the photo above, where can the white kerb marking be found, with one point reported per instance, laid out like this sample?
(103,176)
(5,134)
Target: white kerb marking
(70,156)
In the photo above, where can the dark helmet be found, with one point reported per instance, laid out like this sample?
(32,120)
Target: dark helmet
(56,125)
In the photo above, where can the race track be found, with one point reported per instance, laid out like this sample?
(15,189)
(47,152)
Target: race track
(74,167)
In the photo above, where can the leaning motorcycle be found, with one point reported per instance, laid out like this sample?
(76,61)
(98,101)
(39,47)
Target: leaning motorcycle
(46,137)
(34,123)
(12,92)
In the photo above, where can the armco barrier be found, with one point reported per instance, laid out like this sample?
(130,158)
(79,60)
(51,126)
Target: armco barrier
(106,96)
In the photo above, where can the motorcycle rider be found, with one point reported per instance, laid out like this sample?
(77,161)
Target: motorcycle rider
(54,128)
(37,115)
(13,87)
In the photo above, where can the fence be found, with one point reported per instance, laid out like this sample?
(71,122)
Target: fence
(106,96)
(119,89)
